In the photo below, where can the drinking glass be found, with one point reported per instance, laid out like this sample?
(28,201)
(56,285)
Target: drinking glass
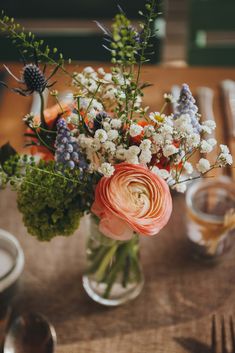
(211,216)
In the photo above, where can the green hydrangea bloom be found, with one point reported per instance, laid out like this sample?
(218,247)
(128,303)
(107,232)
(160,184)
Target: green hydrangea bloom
(51,203)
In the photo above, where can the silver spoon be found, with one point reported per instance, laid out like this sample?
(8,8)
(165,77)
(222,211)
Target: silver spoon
(30,333)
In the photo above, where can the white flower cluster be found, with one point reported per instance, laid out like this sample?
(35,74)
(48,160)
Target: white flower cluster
(163,143)
(107,87)
(224,157)
(163,148)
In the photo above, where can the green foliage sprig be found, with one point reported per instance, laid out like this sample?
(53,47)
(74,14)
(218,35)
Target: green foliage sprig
(30,46)
(131,47)
(124,45)
(27,42)
(149,16)
(128,45)
(52,202)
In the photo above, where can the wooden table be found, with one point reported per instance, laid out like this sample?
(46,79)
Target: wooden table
(180,294)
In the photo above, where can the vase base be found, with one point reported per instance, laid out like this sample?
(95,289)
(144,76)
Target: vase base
(118,295)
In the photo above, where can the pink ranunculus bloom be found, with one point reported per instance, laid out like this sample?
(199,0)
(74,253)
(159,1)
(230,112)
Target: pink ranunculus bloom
(132,199)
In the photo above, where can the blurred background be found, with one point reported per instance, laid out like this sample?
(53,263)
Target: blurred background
(194,32)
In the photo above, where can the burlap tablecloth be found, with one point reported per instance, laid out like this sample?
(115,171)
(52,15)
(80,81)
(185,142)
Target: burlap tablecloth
(178,300)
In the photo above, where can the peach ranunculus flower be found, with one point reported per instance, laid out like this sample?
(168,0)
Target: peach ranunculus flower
(132,199)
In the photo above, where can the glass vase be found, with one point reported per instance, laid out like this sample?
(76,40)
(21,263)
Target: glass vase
(114,273)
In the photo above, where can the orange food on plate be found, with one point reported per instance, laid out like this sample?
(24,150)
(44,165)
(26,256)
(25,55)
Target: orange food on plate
(50,114)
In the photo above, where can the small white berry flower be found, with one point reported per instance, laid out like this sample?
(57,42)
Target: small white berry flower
(88,70)
(145,145)
(193,140)
(169,98)
(212,142)
(203,165)
(134,150)
(101,135)
(106,169)
(169,150)
(145,156)
(121,154)
(163,173)
(106,126)
(224,149)
(109,146)
(108,77)
(116,123)
(206,147)
(149,130)
(132,159)
(73,119)
(135,130)
(95,145)
(224,157)
(101,71)
(112,135)
(181,187)
(188,168)
(209,123)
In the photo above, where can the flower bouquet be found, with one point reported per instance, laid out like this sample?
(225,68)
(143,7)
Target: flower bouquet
(103,154)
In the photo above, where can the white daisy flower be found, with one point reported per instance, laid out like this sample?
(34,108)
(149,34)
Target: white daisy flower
(157,117)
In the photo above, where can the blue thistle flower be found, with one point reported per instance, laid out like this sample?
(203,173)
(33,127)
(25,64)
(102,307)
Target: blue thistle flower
(186,105)
(67,149)
(99,119)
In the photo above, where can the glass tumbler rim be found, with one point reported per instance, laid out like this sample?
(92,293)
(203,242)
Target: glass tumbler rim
(202,185)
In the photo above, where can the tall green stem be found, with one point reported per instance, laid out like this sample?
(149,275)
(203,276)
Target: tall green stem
(42,117)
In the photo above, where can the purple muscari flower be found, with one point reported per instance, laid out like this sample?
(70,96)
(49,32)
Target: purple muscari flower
(67,149)
(186,105)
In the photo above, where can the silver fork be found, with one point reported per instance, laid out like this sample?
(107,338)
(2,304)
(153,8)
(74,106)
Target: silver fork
(224,336)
